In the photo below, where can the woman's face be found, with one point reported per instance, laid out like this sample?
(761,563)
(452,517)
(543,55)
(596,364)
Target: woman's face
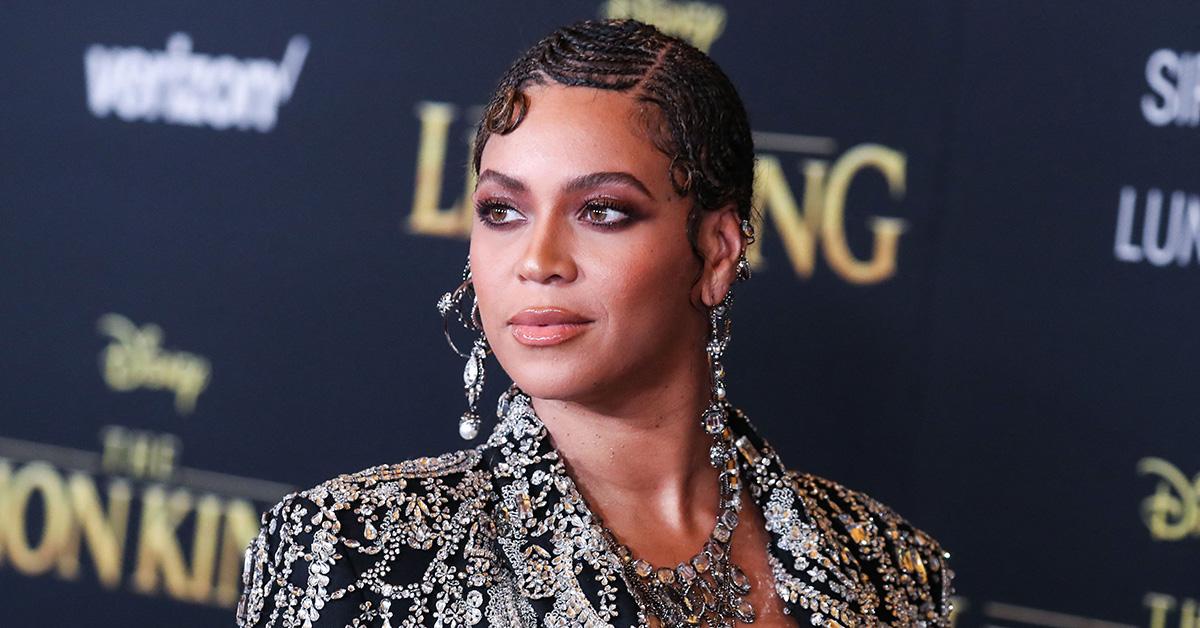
(579,251)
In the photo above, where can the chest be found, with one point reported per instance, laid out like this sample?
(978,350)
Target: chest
(569,579)
(751,549)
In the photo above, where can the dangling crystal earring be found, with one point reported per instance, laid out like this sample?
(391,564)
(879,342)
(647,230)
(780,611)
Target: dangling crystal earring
(452,303)
(718,340)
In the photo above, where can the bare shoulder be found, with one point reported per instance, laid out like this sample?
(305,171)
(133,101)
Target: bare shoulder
(320,551)
(908,568)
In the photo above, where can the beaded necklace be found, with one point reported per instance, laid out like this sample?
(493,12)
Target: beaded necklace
(708,590)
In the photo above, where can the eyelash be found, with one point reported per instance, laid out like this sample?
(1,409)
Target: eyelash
(485,207)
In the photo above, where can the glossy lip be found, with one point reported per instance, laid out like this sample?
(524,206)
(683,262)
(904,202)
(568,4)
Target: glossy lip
(546,326)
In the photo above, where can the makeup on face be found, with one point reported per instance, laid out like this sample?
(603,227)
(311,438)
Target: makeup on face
(579,249)
(507,208)
(546,326)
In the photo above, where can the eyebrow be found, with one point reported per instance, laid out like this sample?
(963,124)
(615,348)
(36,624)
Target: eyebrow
(578,183)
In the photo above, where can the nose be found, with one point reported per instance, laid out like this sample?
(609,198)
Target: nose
(548,257)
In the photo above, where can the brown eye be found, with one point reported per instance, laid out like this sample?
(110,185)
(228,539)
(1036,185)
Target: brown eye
(497,214)
(604,215)
(501,214)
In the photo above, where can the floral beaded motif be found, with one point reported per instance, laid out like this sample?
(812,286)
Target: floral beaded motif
(498,535)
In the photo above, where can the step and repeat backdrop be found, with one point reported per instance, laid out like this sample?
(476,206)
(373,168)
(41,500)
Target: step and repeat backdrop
(224,227)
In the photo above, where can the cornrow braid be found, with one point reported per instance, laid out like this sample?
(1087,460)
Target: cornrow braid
(703,128)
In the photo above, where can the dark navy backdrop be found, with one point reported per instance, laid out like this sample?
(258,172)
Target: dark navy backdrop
(975,297)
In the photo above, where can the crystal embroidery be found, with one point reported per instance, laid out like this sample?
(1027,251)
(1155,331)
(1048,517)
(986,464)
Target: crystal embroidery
(498,535)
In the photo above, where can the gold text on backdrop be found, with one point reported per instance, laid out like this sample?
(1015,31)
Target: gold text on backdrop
(55,501)
(699,23)
(819,219)
(1165,609)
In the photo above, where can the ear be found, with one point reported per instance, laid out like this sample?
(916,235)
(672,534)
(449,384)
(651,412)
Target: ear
(721,243)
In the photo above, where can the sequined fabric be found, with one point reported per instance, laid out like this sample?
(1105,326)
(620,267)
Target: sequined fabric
(498,535)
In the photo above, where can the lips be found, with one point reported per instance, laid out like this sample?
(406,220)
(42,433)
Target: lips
(546,326)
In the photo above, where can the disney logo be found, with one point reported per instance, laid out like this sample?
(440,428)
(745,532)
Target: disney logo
(1173,511)
(135,359)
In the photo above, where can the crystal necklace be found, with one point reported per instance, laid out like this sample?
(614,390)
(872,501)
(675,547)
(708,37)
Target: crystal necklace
(708,590)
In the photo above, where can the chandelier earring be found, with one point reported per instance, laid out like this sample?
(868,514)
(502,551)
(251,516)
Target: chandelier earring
(719,326)
(463,304)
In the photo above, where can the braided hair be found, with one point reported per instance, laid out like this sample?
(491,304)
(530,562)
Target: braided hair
(703,128)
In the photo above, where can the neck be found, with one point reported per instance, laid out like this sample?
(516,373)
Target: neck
(640,458)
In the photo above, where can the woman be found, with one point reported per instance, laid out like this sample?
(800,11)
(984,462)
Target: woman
(619,487)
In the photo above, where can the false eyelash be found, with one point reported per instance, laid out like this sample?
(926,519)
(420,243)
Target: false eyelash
(485,206)
(488,204)
(630,213)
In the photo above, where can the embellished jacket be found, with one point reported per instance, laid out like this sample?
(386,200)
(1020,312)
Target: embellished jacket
(498,535)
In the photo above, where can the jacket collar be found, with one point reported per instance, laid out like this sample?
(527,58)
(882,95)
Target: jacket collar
(562,566)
